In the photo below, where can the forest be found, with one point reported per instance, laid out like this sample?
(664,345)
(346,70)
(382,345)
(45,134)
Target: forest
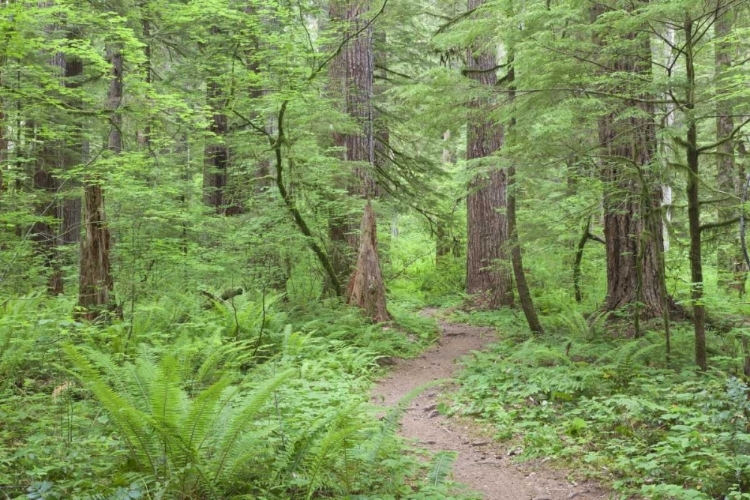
(223,223)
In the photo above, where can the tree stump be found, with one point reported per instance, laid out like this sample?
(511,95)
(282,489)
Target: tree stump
(366,289)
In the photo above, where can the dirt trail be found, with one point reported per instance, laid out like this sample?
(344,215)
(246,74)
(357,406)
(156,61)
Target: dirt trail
(482,465)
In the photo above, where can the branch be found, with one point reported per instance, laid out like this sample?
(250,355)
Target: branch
(716,225)
(292,208)
(596,238)
(726,139)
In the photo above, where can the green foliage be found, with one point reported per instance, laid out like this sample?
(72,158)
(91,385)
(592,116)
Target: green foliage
(264,395)
(191,412)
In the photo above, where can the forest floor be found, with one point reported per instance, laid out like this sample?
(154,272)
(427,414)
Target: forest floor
(482,464)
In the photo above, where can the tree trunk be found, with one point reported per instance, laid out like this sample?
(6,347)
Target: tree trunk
(216,155)
(488,275)
(3,135)
(382,135)
(351,77)
(44,231)
(3,143)
(628,144)
(356,65)
(444,241)
(57,156)
(72,205)
(694,209)
(730,265)
(95,280)
(366,289)
(524,293)
(144,137)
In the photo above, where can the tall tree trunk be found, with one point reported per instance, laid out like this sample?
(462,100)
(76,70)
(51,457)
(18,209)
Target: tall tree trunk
(216,155)
(340,227)
(57,156)
(628,144)
(524,292)
(382,135)
(488,275)
(144,137)
(366,288)
(443,242)
(351,77)
(730,265)
(72,155)
(3,128)
(3,142)
(44,231)
(95,280)
(694,209)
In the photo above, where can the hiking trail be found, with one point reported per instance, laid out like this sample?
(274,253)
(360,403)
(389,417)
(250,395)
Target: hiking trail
(482,464)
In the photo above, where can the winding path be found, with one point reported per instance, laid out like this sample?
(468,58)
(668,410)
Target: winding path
(481,464)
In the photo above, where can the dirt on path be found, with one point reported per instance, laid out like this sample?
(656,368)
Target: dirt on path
(481,464)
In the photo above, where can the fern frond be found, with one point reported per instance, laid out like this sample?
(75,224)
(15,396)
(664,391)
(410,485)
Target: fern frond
(203,412)
(392,418)
(166,398)
(334,440)
(135,426)
(440,467)
(245,418)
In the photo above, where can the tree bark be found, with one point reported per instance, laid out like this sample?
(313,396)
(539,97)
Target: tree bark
(524,293)
(72,205)
(3,134)
(628,144)
(730,266)
(357,66)
(351,76)
(144,137)
(44,231)
(488,275)
(216,154)
(95,279)
(366,289)
(443,242)
(61,203)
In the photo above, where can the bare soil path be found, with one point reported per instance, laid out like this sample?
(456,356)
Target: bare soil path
(482,465)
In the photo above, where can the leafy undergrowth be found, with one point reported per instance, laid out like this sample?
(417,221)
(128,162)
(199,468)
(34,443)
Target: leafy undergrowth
(197,400)
(615,407)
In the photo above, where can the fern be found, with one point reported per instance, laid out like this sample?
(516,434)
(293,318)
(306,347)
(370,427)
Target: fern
(335,440)
(393,416)
(170,435)
(440,467)
(203,413)
(243,419)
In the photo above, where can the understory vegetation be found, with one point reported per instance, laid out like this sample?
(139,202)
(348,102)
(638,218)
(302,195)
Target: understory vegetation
(185,405)
(622,410)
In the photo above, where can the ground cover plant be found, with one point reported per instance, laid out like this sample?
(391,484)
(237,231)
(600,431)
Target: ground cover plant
(648,424)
